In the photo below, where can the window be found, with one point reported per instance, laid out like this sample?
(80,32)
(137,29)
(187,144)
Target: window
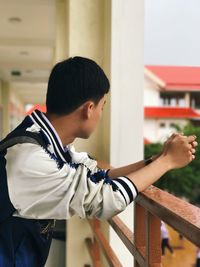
(172,99)
(162,125)
(173,125)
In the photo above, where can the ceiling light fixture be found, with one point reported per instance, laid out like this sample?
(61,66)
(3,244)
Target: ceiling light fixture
(24,53)
(15,20)
(16,73)
(28,71)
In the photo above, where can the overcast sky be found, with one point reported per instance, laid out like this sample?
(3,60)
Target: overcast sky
(172,32)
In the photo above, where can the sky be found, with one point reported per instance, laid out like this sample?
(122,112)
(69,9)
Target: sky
(172,32)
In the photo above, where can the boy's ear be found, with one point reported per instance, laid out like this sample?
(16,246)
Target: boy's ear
(88,109)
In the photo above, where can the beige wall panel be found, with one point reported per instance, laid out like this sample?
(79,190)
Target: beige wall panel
(5,105)
(62,36)
(89,36)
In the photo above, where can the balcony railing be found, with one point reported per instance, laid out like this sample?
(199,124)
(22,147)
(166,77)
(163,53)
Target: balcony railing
(151,206)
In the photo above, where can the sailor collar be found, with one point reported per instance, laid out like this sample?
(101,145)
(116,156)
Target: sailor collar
(42,121)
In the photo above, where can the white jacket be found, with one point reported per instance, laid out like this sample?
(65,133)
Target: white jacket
(43,184)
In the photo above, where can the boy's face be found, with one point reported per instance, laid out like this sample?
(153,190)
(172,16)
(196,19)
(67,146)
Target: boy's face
(94,115)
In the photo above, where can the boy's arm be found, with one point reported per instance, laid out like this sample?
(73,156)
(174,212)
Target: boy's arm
(176,154)
(125,170)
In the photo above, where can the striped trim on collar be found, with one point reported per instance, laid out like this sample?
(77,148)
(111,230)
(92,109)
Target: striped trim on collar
(41,120)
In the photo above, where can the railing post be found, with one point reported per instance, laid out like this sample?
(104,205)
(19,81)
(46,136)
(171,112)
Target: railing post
(151,207)
(103,244)
(153,240)
(139,229)
(96,225)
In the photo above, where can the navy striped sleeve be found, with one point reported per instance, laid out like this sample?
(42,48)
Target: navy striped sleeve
(127,188)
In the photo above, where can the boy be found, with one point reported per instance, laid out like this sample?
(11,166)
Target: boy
(43,178)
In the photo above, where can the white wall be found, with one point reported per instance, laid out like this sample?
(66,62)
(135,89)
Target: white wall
(89,36)
(151,94)
(165,132)
(57,254)
(16,110)
(154,133)
(150,130)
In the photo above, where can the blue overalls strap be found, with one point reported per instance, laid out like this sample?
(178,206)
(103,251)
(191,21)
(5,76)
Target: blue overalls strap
(19,137)
(23,242)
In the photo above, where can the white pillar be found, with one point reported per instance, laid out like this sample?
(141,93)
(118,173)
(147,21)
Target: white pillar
(127,73)
(187,100)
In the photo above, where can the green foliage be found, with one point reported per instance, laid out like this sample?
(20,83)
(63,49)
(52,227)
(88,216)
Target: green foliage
(184,182)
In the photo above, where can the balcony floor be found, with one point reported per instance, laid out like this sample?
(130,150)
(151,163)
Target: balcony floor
(183,257)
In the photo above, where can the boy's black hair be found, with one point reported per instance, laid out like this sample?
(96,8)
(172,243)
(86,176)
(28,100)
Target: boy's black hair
(73,82)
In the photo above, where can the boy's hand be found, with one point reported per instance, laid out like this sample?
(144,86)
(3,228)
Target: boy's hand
(179,150)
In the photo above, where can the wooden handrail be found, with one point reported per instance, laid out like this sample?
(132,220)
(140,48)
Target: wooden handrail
(91,249)
(127,237)
(179,214)
(151,206)
(106,248)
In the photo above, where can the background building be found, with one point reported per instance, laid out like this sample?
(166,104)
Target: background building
(171,97)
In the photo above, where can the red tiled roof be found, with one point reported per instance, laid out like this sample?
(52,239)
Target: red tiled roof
(170,112)
(177,78)
(42,108)
(146,141)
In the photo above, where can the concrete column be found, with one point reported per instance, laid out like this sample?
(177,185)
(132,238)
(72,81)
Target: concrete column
(187,100)
(62,27)
(1,112)
(58,251)
(127,71)
(89,33)
(5,94)
(0,92)
(86,38)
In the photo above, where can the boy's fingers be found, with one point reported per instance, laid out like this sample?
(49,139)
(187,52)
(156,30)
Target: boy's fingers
(173,136)
(190,146)
(191,138)
(180,133)
(170,138)
(194,144)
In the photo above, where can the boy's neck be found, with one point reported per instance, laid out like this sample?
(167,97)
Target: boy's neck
(65,127)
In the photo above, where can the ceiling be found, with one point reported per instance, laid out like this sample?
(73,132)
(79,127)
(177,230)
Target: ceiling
(27,41)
